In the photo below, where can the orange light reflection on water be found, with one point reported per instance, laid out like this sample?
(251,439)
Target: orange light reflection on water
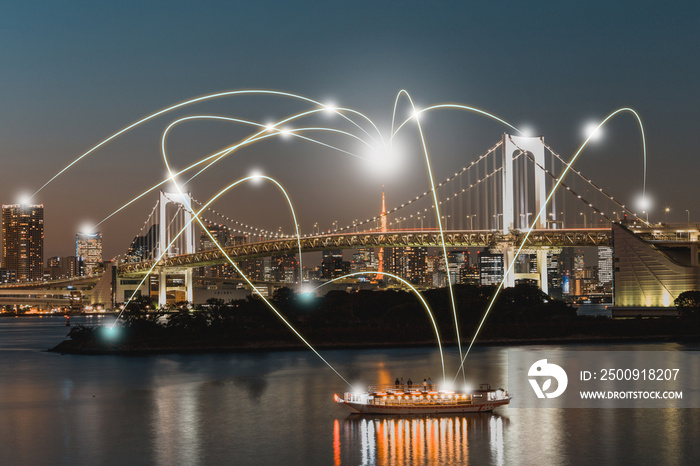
(417,440)
(336,443)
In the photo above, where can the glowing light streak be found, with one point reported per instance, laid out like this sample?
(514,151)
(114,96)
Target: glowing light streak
(452,106)
(578,196)
(222,152)
(190,102)
(256,137)
(432,183)
(539,214)
(276,131)
(415,291)
(561,159)
(255,177)
(284,132)
(435,200)
(240,272)
(417,198)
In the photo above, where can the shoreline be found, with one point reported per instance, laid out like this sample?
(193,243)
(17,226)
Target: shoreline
(70,347)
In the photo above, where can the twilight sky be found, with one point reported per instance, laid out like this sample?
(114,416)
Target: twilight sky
(73,73)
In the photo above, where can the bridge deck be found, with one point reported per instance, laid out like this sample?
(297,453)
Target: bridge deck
(376,239)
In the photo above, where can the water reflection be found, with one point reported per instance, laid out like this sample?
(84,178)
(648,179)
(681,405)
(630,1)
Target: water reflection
(255,386)
(420,439)
(176,425)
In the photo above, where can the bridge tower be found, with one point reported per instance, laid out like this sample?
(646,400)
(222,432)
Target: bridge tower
(512,145)
(165,236)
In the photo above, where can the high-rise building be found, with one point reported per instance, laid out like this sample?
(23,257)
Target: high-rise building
(7,276)
(222,236)
(220,233)
(63,267)
(332,264)
(605,265)
(456,260)
(143,247)
(252,268)
(23,240)
(285,268)
(490,268)
(579,264)
(364,260)
(394,261)
(416,265)
(88,247)
(554,275)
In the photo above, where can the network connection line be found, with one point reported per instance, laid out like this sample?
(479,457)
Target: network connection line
(436,203)
(365,132)
(543,209)
(416,292)
(220,154)
(190,102)
(240,272)
(274,129)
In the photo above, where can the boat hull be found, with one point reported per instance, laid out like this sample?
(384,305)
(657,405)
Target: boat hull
(359,408)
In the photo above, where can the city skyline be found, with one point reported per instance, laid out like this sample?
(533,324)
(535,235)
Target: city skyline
(554,102)
(431,212)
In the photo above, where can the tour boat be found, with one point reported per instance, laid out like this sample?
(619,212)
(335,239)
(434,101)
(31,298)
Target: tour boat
(397,399)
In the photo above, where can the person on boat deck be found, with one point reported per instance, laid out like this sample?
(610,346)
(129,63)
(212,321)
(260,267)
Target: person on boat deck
(402,383)
(430,383)
(410,383)
(396,382)
(425,384)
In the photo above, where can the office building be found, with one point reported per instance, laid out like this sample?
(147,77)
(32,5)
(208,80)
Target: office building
(88,248)
(490,268)
(605,265)
(23,240)
(416,265)
(63,267)
(143,247)
(332,264)
(222,237)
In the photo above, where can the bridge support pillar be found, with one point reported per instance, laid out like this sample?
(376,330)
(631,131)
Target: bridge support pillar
(189,290)
(508,256)
(542,270)
(535,146)
(164,235)
(162,285)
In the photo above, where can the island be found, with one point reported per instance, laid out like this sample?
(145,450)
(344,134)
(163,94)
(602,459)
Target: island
(390,318)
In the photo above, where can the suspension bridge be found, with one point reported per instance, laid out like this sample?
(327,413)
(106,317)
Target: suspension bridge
(488,204)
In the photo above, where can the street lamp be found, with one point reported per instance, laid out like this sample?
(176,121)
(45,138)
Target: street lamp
(667,210)
(585,223)
(447,221)
(471,221)
(495,217)
(647,214)
(688,215)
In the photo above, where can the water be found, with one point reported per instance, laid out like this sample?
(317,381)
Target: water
(276,408)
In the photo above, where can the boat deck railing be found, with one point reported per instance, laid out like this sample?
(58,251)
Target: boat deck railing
(418,395)
(392,388)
